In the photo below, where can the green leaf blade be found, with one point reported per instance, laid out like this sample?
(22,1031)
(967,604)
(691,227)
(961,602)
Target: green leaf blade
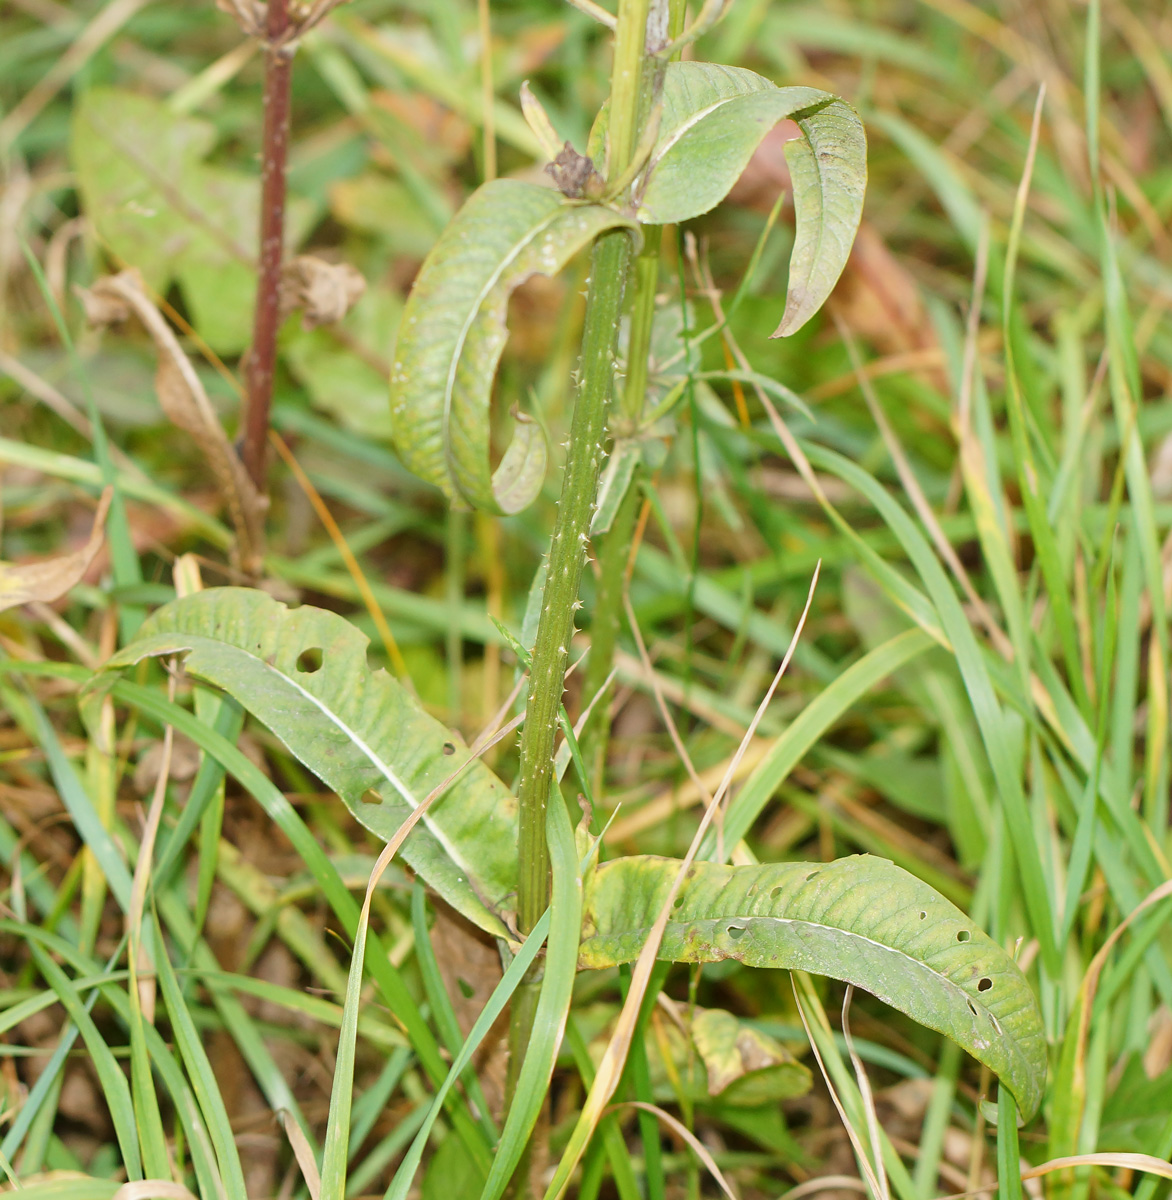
(303,673)
(163,209)
(454,331)
(714,118)
(696,163)
(861,920)
(828,171)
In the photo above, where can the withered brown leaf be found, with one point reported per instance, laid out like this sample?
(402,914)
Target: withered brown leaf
(48,581)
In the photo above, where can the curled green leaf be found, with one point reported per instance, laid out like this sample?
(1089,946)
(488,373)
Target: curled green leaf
(862,920)
(744,1066)
(454,330)
(303,673)
(714,118)
(828,173)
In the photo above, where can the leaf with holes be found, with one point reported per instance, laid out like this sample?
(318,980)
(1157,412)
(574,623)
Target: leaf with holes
(303,673)
(862,920)
(453,332)
(714,118)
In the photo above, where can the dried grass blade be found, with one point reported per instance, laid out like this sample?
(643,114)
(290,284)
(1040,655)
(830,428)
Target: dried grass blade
(185,402)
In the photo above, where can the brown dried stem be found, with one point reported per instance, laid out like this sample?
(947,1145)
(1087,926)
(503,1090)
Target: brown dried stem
(274,161)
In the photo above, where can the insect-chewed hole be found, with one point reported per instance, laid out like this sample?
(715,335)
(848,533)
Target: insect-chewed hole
(449,748)
(983,985)
(736,932)
(775,892)
(973,1008)
(813,875)
(678,902)
(309,661)
(370,796)
(923,915)
(963,935)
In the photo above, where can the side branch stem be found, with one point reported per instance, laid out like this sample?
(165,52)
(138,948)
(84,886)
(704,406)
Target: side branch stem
(666,22)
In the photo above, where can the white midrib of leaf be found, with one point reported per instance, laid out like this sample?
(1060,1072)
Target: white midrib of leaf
(462,338)
(384,769)
(641,932)
(698,116)
(677,134)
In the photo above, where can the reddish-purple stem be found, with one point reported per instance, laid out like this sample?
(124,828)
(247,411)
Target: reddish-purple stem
(274,159)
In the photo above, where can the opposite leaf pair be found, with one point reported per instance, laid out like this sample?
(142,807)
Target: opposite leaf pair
(454,330)
(304,674)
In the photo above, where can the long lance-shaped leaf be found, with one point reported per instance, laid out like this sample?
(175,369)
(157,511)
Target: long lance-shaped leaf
(454,330)
(303,672)
(714,118)
(862,920)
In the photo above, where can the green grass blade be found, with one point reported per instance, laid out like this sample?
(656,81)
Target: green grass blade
(512,977)
(936,1121)
(991,718)
(1029,474)
(90,974)
(815,719)
(325,873)
(147,1115)
(376,1029)
(227,721)
(553,1005)
(336,1152)
(365,1173)
(66,466)
(199,1071)
(237,1022)
(80,807)
(123,556)
(442,1011)
(1008,1150)
(115,1089)
(845,1083)
(370,1105)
